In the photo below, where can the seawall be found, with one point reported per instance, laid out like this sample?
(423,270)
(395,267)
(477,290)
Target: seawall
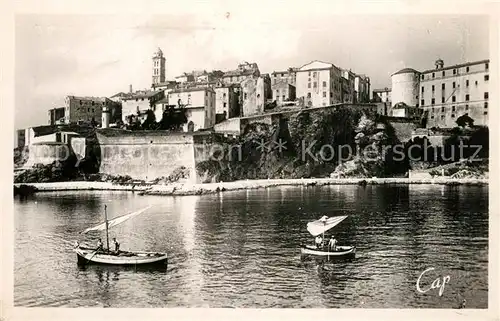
(147,155)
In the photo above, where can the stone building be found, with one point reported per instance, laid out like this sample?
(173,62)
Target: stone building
(253,96)
(289,76)
(319,84)
(199,104)
(89,109)
(445,93)
(56,116)
(362,89)
(138,103)
(382,95)
(184,77)
(227,101)
(244,71)
(283,92)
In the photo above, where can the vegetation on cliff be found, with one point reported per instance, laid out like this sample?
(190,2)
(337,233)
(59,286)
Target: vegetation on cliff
(310,144)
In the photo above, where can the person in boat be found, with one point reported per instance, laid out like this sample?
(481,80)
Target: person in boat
(77,245)
(117,245)
(99,245)
(332,244)
(319,241)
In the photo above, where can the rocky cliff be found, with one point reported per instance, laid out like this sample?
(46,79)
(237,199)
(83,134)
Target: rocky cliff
(345,142)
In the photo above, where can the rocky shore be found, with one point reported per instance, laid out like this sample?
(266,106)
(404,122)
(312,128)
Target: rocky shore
(199,189)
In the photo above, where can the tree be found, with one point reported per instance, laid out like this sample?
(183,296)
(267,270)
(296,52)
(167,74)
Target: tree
(465,120)
(150,122)
(173,118)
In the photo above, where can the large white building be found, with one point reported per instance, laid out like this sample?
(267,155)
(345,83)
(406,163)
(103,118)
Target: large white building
(199,104)
(445,92)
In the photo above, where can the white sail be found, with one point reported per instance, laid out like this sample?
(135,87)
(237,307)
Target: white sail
(324,224)
(115,221)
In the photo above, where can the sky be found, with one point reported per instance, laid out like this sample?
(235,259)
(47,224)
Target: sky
(100,55)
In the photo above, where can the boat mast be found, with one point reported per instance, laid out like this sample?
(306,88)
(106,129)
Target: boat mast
(106,220)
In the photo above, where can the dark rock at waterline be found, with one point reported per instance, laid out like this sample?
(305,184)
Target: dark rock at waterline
(24,190)
(362,183)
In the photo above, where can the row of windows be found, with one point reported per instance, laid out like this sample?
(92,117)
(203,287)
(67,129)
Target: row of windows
(454,84)
(88,110)
(93,103)
(453,99)
(324,94)
(454,108)
(453,115)
(456,71)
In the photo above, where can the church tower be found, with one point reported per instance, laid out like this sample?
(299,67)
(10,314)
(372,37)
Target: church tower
(158,67)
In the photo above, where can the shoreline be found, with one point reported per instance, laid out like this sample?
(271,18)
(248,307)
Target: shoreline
(179,189)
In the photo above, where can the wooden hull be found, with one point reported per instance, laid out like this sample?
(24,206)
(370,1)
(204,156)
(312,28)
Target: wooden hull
(341,252)
(89,256)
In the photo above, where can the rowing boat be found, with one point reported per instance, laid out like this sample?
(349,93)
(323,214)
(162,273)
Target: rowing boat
(87,255)
(320,226)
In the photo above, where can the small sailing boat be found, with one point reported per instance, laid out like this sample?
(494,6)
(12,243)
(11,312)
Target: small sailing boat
(88,255)
(319,227)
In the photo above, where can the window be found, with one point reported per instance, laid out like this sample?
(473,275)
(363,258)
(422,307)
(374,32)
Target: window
(309,85)
(486,95)
(80,102)
(487,66)
(324,83)
(467,69)
(284,98)
(467,97)
(453,99)
(314,74)
(433,101)
(324,94)
(466,107)
(486,77)
(443,86)
(224,95)
(442,116)
(467,83)
(442,100)
(476,82)
(245,96)
(422,88)
(485,104)
(422,77)
(308,95)
(331,94)
(442,109)
(88,110)
(454,84)
(309,79)
(315,84)
(433,75)
(453,108)
(422,102)
(485,113)
(444,74)
(454,71)
(432,117)
(309,74)
(93,103)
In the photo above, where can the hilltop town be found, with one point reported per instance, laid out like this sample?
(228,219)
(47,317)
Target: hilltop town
(172,118)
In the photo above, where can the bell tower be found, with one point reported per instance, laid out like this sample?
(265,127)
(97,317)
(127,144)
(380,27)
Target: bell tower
(158,67)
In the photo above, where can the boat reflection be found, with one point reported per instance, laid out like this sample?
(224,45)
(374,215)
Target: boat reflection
(116,269)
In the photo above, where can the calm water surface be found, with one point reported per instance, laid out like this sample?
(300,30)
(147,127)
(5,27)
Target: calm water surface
(241,249)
